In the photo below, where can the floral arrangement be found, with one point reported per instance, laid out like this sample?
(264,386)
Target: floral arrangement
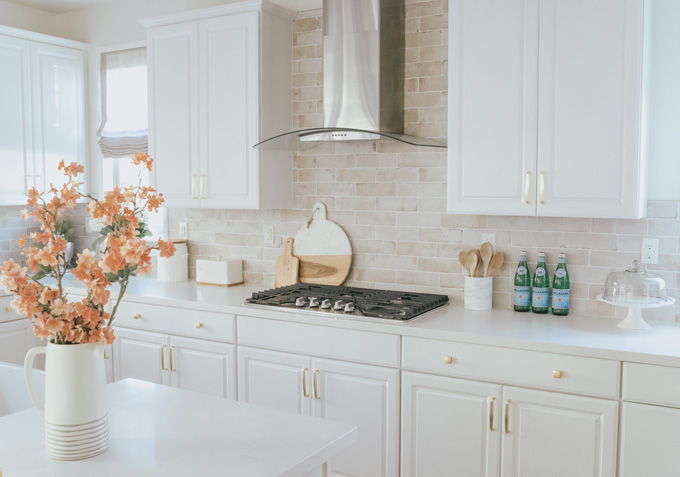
(124,254)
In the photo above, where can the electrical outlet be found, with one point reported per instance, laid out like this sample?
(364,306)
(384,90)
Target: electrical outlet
(650,251)
(491,238)
(268,235)
(183,231)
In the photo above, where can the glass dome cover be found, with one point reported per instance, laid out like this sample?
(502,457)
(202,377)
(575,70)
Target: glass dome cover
(635,286)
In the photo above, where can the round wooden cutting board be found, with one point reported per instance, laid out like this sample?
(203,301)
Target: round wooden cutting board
(324,250)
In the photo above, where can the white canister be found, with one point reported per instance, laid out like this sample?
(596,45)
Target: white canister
(175,268)
(478,293)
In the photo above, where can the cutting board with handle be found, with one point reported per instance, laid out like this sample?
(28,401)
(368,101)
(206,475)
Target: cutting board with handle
(287,267)
(324,250)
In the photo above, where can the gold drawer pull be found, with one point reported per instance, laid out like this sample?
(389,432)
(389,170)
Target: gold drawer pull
(198,324)
(136,316)
(172,366)
(527,188)
(8,309)
(448,359)
(507,416)
(492,404)
(106,357)
(557,373)
(305,392)
(316,386)
(163,358)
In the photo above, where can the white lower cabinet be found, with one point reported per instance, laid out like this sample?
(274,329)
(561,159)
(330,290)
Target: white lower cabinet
(197,365)
(469,429)
(16,338)
(449,427)
(358,394)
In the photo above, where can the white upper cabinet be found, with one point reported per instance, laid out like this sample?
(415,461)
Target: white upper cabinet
(220,81)
(42,119)
(545,108)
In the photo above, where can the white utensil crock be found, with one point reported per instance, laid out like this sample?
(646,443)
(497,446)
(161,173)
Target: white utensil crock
(478,293)
(76,415)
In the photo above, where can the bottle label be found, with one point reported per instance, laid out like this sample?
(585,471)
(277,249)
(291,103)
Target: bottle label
(522,296)
(539,297)
(561,273)
(560,299)
(540,271)
(521,270)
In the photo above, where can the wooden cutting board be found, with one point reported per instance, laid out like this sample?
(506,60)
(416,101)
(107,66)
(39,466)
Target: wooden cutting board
(324,250)
(287,267)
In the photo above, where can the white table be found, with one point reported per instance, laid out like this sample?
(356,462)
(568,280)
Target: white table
(159,430)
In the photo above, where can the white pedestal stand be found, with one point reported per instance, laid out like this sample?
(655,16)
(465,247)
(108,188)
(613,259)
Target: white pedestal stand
(634,320)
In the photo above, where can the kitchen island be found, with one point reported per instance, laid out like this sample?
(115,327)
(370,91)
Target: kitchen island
(159,430)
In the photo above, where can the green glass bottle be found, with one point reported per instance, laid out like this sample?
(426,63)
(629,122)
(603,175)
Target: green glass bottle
(541,287)
(522,285)
(560,293)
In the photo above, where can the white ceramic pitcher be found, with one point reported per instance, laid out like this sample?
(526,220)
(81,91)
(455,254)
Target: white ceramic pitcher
(76,414)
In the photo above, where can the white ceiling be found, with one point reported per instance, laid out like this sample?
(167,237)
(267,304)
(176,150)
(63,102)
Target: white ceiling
(63,6)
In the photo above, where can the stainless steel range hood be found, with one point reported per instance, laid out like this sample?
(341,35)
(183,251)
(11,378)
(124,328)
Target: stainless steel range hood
(363,70)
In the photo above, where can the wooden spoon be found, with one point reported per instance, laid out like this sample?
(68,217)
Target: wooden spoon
(496,263)
(473,262)
(463,257)
(486,252)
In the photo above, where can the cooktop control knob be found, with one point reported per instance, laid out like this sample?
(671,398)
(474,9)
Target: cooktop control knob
(300,301)
(349,307)
(338,305)
(326,304)
(313,302)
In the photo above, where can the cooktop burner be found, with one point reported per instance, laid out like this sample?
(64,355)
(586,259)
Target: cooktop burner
(393,305)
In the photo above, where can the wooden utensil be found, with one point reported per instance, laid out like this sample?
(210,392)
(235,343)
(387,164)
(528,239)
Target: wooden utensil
(287,267)
(463,258)
(486,252)
(496,263)
(324,250)
(473,262)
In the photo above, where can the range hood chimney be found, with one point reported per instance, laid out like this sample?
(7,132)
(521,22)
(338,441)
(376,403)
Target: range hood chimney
(363,71)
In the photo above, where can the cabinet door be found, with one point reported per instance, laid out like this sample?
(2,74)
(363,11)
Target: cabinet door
(589,141)
(15,120)
(203,366)
(449,427)
(367,397)
(229,111)
(173,112)
(58,84)
(275,380)
(493,64)
(16,338)
(141,355)
(549,431)
(649,441)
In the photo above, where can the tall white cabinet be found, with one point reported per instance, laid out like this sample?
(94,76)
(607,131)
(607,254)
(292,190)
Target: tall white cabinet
(219,82)
(546,108)
(42,120)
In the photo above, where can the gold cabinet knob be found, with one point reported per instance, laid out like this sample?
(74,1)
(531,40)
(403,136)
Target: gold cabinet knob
(136,316)
(557,373)
(448,359)
(8,309)
(198,324)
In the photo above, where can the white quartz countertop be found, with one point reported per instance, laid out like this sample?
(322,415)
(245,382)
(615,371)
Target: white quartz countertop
(164,431)
(577,335)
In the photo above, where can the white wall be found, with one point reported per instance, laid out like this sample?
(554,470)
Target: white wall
(664,119)
(26,18)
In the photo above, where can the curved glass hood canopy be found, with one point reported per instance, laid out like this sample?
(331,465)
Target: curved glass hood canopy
(304,139)
(363,71)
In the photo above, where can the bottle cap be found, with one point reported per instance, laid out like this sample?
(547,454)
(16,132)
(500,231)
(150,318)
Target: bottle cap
(562,255)
(541,254)
(522,253)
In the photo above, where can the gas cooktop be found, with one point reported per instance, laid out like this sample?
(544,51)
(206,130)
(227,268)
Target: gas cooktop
(349,301)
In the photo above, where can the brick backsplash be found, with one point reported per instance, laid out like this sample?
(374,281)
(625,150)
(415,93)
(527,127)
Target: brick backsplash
(391,198)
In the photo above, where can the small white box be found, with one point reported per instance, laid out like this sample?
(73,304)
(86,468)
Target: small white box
(221,273)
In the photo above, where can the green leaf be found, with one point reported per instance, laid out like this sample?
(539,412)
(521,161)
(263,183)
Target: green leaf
(111,277)
(98,242)
(106,230)
(39,275)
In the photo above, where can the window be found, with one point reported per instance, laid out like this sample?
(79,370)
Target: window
(124,127)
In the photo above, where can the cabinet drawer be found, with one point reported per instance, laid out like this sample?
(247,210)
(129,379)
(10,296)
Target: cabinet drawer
(591,376)
(7,313)
(651,384)
(350,345)
(177,321)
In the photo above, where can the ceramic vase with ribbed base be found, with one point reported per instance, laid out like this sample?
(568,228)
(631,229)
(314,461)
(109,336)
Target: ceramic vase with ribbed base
(76,413)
